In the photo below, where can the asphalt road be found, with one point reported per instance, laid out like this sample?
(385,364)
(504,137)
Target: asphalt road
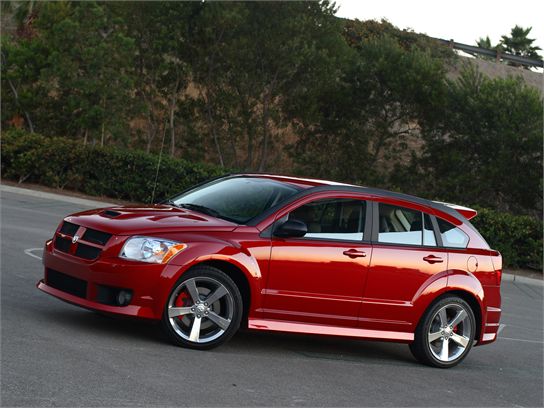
(55,354)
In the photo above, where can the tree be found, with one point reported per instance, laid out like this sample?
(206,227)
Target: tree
(73,72)
(161,33)
(485,43)
(488,148)
(260,58)
(371,120)
(519,43)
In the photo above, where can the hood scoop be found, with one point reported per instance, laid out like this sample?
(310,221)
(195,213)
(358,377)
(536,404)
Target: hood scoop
(111,213)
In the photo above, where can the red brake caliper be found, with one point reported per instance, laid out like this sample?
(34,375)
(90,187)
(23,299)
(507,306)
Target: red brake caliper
(182,300)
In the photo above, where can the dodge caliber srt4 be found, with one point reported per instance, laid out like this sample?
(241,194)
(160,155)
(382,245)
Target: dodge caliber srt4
(286,254)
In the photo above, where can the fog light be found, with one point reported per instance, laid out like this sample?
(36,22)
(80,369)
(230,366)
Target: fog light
(124,297)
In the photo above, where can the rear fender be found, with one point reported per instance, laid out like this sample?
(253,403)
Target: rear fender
(450,281)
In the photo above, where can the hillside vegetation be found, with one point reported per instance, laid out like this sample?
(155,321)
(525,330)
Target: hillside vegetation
(271,86)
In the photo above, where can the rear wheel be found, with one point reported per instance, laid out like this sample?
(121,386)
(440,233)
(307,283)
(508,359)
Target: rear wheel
(445,334)
(203,310)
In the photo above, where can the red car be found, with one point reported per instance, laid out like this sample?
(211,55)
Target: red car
(286,254)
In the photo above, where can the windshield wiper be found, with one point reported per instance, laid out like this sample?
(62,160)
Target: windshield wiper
(200,208)
(170,202)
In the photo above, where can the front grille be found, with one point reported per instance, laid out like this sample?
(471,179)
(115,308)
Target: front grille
(66,283)
(63,244)
(97,237)
(68,228)
(66,241)
(87,252)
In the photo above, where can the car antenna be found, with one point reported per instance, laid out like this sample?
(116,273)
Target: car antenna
(158,165)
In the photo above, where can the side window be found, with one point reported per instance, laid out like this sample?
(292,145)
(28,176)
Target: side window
(428,231)
(399,225)
(336,219)
(451,235)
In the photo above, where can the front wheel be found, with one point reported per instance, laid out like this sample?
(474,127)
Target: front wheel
(204,309)
(445,333)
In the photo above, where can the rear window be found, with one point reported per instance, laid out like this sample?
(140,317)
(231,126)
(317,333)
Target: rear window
(451,235)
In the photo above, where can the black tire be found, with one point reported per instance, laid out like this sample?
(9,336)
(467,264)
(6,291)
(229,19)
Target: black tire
(226,311)
(429,351)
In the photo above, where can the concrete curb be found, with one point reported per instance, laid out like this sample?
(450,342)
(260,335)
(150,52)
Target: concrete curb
(506,277)
(53,196)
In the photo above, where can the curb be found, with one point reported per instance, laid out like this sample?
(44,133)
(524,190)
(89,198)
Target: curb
(53,196)
(506,277)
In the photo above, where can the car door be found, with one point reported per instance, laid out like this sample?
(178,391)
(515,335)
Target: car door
(319,277)
(405,258)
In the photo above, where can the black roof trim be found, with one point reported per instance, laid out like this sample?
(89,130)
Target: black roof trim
(363,190)
(335,187)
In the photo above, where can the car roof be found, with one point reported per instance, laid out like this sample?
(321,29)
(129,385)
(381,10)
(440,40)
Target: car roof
(316,185)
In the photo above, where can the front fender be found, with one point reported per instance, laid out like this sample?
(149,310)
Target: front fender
(199,252)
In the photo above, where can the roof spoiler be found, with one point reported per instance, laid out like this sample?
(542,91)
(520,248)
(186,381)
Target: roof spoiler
(466,212)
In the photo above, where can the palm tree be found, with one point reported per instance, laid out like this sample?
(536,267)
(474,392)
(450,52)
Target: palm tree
(520,44)
(484,43)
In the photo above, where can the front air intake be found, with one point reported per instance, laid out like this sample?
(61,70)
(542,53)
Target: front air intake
(96,237)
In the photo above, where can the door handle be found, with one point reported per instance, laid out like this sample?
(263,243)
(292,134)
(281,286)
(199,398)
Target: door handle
(433,259)
(353,253)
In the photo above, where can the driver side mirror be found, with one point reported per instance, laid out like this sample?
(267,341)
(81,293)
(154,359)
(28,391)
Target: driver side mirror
(291,228)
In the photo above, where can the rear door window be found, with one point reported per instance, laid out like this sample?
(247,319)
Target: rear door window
(399,225)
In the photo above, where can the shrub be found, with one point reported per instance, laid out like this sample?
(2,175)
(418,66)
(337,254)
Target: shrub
(102,171)
(517,237)
(130,175)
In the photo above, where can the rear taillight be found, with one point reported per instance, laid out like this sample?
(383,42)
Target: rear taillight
(497,266)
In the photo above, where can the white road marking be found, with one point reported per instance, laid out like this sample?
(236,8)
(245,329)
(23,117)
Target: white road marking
(30,251)
(501,326)
(525,341)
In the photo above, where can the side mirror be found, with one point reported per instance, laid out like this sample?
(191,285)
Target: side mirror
(291,228)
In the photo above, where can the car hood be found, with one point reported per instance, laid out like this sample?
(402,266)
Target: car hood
(131,220)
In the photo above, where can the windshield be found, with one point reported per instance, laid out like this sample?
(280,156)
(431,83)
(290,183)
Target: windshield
(237,199)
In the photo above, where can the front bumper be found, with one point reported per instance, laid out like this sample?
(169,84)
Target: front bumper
(148,283)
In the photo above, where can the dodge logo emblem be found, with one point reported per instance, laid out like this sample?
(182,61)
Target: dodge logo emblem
(74,240)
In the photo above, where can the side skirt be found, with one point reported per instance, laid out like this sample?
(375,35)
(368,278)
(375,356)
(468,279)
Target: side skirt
(309,328)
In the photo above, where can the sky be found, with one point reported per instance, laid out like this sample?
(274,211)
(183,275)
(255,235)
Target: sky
(464,21)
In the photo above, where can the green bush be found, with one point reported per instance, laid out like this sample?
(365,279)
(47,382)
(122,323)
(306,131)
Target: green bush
(130,175)
(517,237)
(101,171)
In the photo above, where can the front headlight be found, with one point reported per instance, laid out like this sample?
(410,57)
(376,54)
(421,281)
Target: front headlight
(152,250)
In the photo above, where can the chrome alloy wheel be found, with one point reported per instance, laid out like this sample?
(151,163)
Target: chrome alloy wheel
(450,332)
(200,309)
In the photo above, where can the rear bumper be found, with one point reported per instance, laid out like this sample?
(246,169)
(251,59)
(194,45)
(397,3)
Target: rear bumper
(85,282)
(492,316)
(490,330)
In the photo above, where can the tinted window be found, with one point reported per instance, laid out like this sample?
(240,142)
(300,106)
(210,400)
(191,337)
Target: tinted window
(337,219)
(451,235)
(399,225)
(237,199)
